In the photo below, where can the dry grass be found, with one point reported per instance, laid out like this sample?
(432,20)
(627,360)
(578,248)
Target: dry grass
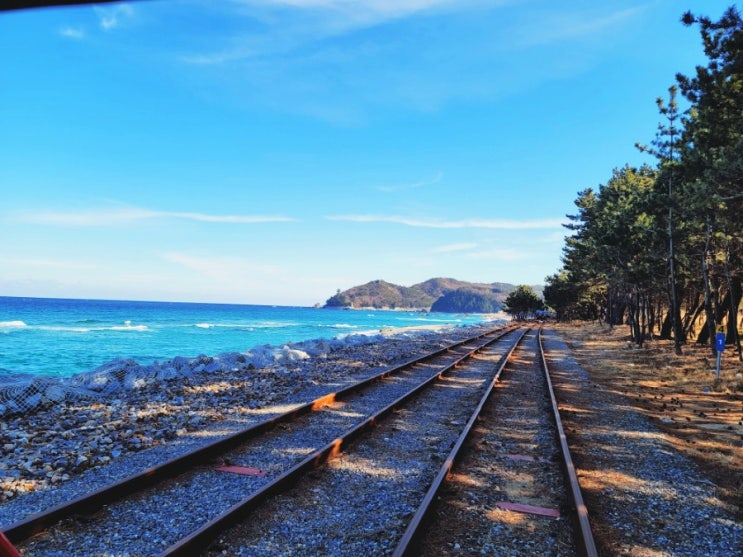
(700,415)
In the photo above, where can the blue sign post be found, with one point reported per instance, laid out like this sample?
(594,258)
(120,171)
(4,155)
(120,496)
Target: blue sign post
(720,342)
(719,346)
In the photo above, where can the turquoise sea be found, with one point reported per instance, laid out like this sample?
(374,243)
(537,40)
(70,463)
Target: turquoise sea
(62,337)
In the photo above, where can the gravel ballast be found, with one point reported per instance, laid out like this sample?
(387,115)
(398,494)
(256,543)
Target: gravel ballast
(644,498)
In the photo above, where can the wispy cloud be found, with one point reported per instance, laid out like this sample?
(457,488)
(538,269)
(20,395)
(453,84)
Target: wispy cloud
(358,13)
(291,25)
(502,254)
(414,185)
(499,224)
(215,58)
(111,17)
(338,61)
(126,215)
(564,25)
(451,248)
(221,267)
(75,33)
(66,264)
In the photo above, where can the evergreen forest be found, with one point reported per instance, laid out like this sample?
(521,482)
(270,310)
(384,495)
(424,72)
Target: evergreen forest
(660,247)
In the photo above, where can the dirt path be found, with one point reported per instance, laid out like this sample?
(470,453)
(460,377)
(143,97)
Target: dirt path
(701,416)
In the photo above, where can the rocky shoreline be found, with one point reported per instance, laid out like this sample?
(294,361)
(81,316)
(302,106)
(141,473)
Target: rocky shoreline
(647,497)
(21,394)
(138,408)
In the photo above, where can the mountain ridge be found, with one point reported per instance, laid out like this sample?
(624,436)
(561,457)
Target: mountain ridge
(436,294)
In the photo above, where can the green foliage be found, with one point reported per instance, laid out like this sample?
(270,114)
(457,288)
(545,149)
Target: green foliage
(652,238)
(381,294)
(523,302)
(466,301)
(339,300)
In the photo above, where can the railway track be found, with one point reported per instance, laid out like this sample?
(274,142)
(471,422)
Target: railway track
(388,380)
(341,475)
(509,487)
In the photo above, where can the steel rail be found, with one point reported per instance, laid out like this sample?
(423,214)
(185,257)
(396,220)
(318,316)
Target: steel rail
(407,544)
(583,536)
(89,503)
(199,539)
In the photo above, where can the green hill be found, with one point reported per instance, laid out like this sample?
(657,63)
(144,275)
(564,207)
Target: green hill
(436,294)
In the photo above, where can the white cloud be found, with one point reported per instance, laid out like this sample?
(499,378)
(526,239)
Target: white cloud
(238,219)
(292,25)
(76,33)
(450,248)
(562,25)
(502,254)
(111,17)
(499,224)
(324,59)
(414,185)
(125,215)
(216,58)
(367,11)
(226,277)
(16,262)
(223,268)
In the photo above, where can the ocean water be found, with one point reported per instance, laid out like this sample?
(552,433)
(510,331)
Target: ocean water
(62,337)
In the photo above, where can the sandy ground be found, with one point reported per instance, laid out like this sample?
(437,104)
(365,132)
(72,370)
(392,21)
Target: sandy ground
(701,415)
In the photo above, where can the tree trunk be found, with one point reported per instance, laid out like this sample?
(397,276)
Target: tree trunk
(708,332)
(643,306)
(720,309)
(651,318)
(637,326)
(667,325)
(659,314)
(615,307)
(734,287)
(679,338)
(692,314)
(694,317)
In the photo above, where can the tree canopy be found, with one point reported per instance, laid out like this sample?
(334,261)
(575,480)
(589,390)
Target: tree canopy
(523,302)
(661,247)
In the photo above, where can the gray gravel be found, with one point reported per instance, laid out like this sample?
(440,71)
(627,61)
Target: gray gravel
(645,497)
(179,508)
(512,456)
(213,405)
(360,503)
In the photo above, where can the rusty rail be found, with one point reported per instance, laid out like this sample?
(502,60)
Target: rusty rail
(90,503)
(584,542)
(201,538)
(412,534)
(583,537)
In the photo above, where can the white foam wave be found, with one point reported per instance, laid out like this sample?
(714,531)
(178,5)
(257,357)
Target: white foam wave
(129,327)
(273,325)
(20,394)
(249,326)
(8,325)
(64,329)
(446,318)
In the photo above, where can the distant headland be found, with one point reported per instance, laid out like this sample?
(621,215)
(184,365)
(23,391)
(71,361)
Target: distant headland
(435,295)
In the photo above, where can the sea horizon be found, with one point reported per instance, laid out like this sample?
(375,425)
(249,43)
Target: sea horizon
(143,300)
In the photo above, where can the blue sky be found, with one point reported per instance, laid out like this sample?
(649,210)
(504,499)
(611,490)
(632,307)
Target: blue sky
(272,152)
